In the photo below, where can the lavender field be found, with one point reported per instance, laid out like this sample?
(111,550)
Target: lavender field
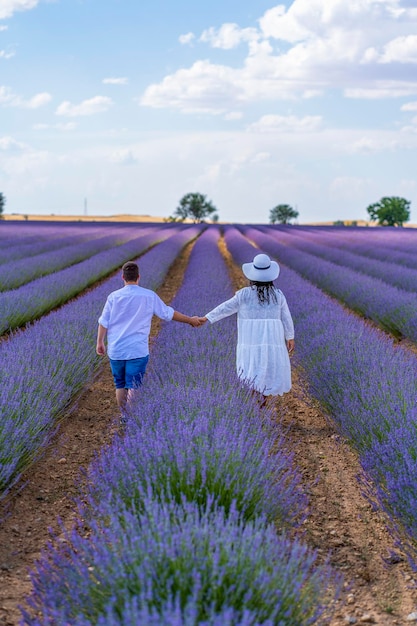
(45,364)
(188,514)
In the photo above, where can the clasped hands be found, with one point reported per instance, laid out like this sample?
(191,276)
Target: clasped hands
(197,321)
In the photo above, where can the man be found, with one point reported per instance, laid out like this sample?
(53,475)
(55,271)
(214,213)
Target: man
(126,321)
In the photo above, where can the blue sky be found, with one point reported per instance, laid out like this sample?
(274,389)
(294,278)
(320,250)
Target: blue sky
(128,105)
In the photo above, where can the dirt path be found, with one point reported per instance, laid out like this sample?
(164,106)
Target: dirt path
(340,521)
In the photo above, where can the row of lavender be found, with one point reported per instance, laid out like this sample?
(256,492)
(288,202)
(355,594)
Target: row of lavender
(43,366)
(330,248)
(15,244)
(40,296)
(35,237)
(400,243)
(180,523)
(366,383)
(392,308)
(17,272)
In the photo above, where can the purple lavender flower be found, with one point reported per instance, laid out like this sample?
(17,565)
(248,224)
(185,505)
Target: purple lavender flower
(180,563)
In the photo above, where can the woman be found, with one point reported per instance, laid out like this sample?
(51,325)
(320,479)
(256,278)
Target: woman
(265,328)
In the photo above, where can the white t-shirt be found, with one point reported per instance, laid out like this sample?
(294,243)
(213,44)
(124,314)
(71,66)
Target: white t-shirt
(127,315)
(261,354)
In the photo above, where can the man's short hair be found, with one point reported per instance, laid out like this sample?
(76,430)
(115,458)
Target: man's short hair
(130,272)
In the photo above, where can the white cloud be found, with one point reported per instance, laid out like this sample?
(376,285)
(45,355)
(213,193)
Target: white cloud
(124,157)
(64,127)
(383,89)
(37,101)
(8,7)
(6,95)
(277,23)
(8,144)
(311,19)
(261,157)
(373,143)
(228,36)
(308,94)
(9,98)
(115,81)
(301,52)
(233,115)
(286,124)
(401,49)
(232,168)
(98,104)
(349,184)
(410,106)
(204,87)
(187,38)
(6,55)
(412,128)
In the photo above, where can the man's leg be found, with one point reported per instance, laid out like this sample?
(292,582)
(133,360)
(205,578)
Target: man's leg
(135,371)
(121,398)
(118,369)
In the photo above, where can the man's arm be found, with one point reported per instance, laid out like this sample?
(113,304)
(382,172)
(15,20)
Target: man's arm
(186,319)
(101,334)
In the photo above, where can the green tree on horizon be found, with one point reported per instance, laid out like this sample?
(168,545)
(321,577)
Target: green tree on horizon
(282,214)
(390,211)
(196,207)
(2,204)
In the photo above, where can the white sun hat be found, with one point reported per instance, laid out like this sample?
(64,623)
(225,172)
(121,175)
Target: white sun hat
(262,269)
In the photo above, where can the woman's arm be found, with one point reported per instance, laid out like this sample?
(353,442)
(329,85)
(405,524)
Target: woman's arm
(223,310)
(286,319)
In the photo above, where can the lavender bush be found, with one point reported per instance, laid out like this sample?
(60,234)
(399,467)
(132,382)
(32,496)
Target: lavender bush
(182,565)
(201,444)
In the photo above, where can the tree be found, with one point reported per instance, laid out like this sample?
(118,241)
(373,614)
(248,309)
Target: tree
(196,207)
(2,203)
(390,211)
(283,214)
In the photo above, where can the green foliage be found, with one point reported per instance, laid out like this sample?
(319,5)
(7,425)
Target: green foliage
(196,207)
(283,214)
(2,203)
(390,211)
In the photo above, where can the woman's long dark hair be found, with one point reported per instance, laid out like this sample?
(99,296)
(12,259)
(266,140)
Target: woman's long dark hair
(265,291)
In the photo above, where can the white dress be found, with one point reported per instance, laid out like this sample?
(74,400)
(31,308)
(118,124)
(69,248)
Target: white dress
(261,355)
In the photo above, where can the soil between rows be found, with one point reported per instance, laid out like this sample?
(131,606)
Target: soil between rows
(341,522)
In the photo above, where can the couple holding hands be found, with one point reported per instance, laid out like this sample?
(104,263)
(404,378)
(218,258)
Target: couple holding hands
(265,329)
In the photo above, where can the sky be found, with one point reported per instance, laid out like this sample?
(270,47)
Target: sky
(110,107)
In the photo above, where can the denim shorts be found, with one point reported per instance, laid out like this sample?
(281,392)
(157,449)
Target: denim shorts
(129,374)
